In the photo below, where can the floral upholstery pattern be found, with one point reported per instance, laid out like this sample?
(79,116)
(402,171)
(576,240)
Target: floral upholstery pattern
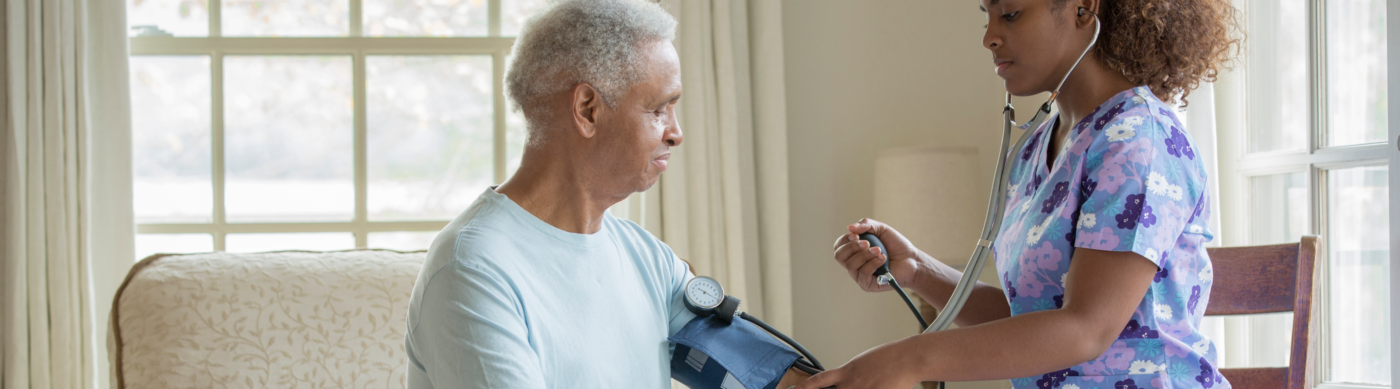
(282,319)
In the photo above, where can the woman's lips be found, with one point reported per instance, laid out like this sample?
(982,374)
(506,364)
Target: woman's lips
(1001,67)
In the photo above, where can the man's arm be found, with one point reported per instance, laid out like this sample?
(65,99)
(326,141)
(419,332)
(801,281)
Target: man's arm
(470,333)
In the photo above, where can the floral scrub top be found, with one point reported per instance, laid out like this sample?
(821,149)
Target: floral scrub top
(1128,180)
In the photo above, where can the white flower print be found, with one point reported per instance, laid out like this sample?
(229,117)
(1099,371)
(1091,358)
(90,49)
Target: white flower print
(1070,386)
(1152,254)
(1026,205)
(1195,229)
(1088,220)
(1162,311)
(1144,367)
(1174,192)
(1139,100)
(1205,275)
(1201,346)
(1157,184)
(1063,277)
(1033,234)
(1011,190)
(1124,130)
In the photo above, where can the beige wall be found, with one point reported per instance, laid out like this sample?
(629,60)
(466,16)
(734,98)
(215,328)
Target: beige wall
(866,76)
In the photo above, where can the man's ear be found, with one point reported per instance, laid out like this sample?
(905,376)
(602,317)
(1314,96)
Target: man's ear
(584,107)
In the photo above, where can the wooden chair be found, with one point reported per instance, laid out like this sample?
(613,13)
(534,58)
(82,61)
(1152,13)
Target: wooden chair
(1268,279)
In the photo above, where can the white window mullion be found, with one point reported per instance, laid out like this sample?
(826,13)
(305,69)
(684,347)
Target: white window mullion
(357,18)
(216,78)
(361,151)
(498,99)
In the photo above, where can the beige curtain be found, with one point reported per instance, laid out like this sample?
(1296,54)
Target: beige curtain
(723,205)
(66,231)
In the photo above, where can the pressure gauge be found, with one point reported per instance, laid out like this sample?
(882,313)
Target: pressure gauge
(703,295)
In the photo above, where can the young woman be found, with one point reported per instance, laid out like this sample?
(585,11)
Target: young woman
(1101,253)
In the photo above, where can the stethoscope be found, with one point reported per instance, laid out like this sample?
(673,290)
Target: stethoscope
(704,296)
(996,205)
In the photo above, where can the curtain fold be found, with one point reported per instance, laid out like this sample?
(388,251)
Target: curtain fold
(723,204)
(66,232)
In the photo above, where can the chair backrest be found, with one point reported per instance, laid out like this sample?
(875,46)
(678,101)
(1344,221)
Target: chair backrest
(283,319)
(1268,279)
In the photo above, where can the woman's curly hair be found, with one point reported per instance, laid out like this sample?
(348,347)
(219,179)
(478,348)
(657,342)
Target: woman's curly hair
(1171,46)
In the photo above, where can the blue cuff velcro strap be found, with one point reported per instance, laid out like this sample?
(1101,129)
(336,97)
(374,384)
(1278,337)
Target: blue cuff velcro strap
(711,354)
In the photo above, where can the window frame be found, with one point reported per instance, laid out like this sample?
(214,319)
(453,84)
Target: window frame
(216,46)
(1316,160)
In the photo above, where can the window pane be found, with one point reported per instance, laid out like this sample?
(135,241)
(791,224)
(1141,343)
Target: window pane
(1277,71)
(170,139)
(175,17)
(515,12)
(1358,244)
(286,17)
(425,17)
(430,135)
(1356,73)
(1278,208)
(309,241)
(149,244)
(402,241)
(288,138)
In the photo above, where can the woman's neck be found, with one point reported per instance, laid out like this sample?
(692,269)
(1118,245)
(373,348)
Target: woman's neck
(1090,85)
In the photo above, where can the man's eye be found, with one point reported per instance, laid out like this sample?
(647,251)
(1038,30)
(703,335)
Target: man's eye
(1010,16)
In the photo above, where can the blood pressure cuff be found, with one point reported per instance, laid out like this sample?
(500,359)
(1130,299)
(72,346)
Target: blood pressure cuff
(713,355)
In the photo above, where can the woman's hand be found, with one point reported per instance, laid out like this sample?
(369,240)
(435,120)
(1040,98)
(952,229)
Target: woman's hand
(860,260)
(885,366)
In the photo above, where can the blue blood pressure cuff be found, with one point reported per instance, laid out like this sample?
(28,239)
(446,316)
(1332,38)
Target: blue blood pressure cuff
(710,354)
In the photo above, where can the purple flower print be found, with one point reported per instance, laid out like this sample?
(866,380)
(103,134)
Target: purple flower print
(1087,187)
(1200,204)
(1132,211)
(1030,146)
(1175,348)
(1208,377)
(1165,112)
(1137,331)
(1119,355)
(1056,197)
(1195,299)
(1178,146)
(1147,219)
(1084,123)
(1035,184)
(1055,379)
(1033,262)
(1105,239)
(1125,384)
(1059,301)
(1108,116)
(1160,274)
(1010,288)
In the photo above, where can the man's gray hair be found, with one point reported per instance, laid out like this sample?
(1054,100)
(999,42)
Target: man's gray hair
(596,42)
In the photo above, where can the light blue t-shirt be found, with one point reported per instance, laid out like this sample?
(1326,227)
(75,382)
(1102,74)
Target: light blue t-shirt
(506,300)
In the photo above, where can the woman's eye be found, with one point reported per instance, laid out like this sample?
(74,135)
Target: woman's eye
(1010,15)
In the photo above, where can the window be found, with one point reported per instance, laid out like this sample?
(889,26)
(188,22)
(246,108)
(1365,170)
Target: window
(316,124)
(1315,162)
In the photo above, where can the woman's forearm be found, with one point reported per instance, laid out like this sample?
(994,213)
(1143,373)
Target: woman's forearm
(1021,346)
(936,281)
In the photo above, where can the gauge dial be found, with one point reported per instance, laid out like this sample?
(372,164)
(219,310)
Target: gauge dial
(704,293)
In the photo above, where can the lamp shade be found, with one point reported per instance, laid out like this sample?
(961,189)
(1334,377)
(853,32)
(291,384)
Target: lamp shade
(932,196)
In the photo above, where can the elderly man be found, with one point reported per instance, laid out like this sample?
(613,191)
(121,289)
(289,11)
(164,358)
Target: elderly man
(536,285)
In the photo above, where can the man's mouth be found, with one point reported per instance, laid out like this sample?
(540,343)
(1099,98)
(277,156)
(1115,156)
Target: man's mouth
(662,161)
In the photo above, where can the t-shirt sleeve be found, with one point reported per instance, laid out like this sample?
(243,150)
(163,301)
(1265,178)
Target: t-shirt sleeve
(472,334)
(678,274)
(1136,195)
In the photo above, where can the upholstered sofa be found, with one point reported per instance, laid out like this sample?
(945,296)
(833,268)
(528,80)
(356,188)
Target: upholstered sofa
(280,319)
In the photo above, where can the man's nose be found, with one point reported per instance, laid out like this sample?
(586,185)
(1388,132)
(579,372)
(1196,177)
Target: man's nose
(673,136)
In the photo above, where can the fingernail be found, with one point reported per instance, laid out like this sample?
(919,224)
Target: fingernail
(874,250)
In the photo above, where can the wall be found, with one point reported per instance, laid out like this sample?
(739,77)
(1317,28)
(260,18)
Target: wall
(866,76)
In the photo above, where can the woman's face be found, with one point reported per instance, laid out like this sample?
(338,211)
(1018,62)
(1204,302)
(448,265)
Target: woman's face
(1033,43)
